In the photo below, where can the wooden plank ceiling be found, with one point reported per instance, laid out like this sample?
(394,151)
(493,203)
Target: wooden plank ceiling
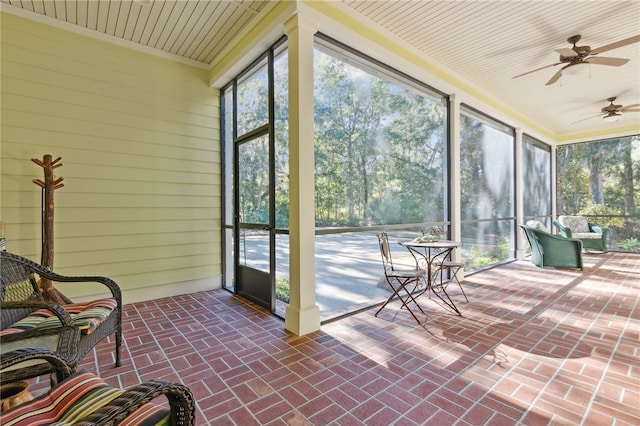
(486,43)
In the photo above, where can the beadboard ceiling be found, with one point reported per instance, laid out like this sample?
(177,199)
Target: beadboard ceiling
(486,43)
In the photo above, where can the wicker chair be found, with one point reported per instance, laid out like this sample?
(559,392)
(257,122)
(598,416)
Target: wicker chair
(553,250)
(27,321)
(82,398)
(591,235)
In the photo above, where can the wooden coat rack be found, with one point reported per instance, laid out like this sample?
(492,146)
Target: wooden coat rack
(49,185)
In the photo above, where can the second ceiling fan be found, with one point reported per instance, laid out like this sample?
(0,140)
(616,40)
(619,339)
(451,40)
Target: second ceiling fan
(613,112)
(580,55)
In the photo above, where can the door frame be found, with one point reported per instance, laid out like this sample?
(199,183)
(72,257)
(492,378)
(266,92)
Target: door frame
(249,281)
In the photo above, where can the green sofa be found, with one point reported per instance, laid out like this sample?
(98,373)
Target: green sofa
(553,250)
(591,235)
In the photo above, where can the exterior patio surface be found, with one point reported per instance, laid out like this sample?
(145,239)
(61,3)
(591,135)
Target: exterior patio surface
(532,347)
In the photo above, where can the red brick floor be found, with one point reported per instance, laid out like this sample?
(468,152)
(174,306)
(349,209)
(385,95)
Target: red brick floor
(533,347)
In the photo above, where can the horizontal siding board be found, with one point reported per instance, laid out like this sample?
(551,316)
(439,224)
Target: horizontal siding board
(140,147)
(45,111)
(108,103)
(72,166)
(142,241)
(51,123)
(108,63)
(147,246)
(97,214)
(100,109)
(19,195)
(146,279)
(184,149)
(94,229)
(154,100)
(72,200)
(120,175)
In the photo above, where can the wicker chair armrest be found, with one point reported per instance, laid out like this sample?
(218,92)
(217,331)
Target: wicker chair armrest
(604,230)
(59,365)
(17,310)
(560,239)
(32,267)
(113,287)
(566,232)
(181,402)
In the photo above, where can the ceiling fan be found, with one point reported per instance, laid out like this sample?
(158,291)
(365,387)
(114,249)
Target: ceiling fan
(580,55)
(612,112)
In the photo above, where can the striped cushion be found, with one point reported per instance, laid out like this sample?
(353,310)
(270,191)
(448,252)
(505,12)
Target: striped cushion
(78,396)
(86,316)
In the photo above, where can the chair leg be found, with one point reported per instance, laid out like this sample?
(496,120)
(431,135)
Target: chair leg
(396,292)
(455,277)
(118,345)
(441,288)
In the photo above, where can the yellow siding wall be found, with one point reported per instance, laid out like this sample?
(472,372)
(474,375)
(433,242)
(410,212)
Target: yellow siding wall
(140,147)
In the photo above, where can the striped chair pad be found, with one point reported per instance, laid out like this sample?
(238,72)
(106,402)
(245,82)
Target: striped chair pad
(78,396)
(86,317)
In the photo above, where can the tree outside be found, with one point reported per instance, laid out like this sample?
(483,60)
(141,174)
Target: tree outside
(601,180)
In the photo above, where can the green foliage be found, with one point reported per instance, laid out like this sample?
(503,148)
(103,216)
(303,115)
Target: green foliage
(505,247)
(282,290)
(379,148)
(599,173)
(601,180)
(477,259)
(630,244)
(605,212)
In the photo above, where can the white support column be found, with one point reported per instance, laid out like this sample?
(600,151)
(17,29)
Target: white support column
(554,187)
(454,173)
(302,315)
(519,206)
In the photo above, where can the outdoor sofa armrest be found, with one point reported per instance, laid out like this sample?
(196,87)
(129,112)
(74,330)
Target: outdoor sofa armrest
(63,338)
(57,363)
(181,402)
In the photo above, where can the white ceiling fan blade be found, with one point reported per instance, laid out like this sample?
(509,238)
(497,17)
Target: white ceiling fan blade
(588,118)
(616,44)
(630,110)
(537,69)
(629,107)
(555,78)
(613,62)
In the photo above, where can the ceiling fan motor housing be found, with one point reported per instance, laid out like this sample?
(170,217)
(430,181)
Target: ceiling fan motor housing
(581,54)
(611,108)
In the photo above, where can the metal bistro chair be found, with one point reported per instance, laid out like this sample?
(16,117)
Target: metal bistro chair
(453,268)
(400,280)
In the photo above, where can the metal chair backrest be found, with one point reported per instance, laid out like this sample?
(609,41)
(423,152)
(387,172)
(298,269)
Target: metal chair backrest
(385,253)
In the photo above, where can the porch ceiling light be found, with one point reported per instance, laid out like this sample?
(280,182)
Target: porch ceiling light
(576,69)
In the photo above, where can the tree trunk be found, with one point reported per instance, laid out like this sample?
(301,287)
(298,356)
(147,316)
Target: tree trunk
(595,180)
(627,182)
